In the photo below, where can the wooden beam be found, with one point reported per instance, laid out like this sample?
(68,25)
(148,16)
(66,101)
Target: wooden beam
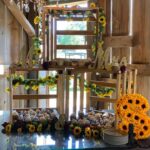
(13,69)
(106,100)
(104,83)
(61,18)
(18,97)
(49,7)
(70,32)
(20,17)
(73,47)
(143,69)
(118,41)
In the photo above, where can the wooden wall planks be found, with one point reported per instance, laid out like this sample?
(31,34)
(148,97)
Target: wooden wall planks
(12,39)
(120,24)
(141,31)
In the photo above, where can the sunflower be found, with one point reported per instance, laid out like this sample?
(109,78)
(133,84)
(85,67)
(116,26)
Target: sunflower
(37,20)
(19,130)
(77,131)
(87,89)
(59,126)
(141,134)
(95,133)
(39,128)
(92,5)
(94,85)
(35,87)
(37,51)
(88,132)
(8,128)
(31,128)
(102,20)
(129,115)
(123,126)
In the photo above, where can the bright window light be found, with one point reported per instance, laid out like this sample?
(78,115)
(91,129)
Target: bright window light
(1,69)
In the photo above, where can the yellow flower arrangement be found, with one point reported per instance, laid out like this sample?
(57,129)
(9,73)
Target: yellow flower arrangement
(8,128)
(31,128)
(77,131)
(88,132)
(37,20)
(132,109)
(92,5)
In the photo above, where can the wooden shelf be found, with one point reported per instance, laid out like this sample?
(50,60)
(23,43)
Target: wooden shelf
(27,96)
(70,32)
(35,69)
(104,83)
(73,47)
(90,19)
(48,7)
(106,100)
(34,108)
(20,17)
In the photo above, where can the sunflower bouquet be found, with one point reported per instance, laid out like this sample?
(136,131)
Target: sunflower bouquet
(132,109)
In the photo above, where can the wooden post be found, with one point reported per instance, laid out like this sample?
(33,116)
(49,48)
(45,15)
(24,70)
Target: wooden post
(60,93)
(124,83)
(88,102)
(81,91)
(48,39)
(129,82)
(118,86)
(55,37)
(135,81)
(43,30)
(118,92)
(51,38)
(11,94)
(67,97)
(75,94)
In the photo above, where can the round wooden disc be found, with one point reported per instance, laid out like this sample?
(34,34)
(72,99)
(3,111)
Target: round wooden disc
(113,137)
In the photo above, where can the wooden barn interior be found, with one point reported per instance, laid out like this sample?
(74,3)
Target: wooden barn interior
(74,74)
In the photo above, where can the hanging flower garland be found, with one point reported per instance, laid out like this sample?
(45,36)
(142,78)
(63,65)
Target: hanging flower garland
(99,91)
(132,109)
(33,84)
(101,30)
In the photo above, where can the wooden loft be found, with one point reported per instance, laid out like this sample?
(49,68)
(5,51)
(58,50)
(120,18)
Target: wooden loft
(19,16)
